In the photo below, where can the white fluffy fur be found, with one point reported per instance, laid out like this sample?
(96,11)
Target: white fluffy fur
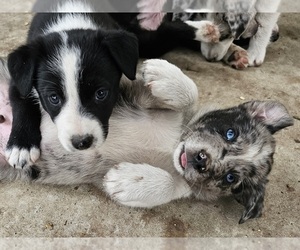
(142,185)
(17,157)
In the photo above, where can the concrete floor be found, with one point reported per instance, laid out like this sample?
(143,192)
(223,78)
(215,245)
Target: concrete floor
(83,211)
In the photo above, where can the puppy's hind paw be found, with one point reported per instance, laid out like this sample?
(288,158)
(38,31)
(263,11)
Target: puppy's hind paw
(122,184)
(169,84)
(21,158)
(239,59)
(138,185)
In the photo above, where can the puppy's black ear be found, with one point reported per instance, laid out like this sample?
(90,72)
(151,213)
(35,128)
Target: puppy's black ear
(251,196)
(21,68)
(271,113)
(123,46)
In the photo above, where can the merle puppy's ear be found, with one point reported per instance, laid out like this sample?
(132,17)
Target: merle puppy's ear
(251,196)
(123,46)
(271,113)
(21,67)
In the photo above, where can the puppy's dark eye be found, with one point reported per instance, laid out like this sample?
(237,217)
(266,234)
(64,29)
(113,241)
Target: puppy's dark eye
(229,178)
(230,134)
(54,99)
(101,94)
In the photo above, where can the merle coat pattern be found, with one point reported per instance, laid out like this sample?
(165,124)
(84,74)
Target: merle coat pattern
(161,146)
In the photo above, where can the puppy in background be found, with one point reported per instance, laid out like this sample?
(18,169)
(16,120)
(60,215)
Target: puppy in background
(236,20)
(161,146)
(70,68)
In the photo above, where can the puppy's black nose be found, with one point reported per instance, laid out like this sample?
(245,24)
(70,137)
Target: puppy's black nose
(212,58)
(200,161)
(82,142)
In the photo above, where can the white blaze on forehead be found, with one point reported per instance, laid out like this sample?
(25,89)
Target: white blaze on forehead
(70,68)
(71,121)
(69,20)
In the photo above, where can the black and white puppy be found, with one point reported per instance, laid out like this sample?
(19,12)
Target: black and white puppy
(70,68)
(162,146)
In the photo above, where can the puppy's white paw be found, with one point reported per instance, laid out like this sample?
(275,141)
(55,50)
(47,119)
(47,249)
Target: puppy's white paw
(20,157)
(138,185)
(206,31)
(169,84)
(256,56)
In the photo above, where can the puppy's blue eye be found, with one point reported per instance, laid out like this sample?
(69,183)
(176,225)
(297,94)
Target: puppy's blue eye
(230,134)
(230,178)
(54,99)
(101,94)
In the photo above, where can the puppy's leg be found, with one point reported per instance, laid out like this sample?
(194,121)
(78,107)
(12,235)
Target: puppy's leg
(171,88)
(259,42)
(236,57)
(171,34)
(266,19)
(23,146)
(142,185)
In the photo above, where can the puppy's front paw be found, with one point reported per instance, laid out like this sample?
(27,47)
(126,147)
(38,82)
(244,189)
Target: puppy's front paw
(239,59)
(21,157)
(138,185)
(123,184)
(256,56)
(169,84)
(206,31)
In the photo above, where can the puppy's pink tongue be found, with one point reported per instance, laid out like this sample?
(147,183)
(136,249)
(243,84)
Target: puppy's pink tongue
(183,160)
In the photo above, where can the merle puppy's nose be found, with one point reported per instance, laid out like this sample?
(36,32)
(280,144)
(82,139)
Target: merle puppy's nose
(200,161)
(212,58)
(82,142)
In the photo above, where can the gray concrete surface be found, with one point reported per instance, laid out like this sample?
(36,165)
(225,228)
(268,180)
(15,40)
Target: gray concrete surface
(83,211)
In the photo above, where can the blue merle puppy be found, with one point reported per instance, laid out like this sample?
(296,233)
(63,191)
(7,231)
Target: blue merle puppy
(162,146)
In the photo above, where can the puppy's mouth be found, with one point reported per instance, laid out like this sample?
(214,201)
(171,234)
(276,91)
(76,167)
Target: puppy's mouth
(183,158)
